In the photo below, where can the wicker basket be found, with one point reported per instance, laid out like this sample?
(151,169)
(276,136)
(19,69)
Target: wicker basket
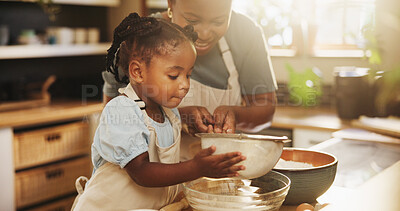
(40,184)
(59,205)
(51,144)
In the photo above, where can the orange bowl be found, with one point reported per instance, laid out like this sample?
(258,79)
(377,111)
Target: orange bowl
(308,182)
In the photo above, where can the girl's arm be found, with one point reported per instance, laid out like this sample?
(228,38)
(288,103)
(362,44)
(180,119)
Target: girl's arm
(153,174)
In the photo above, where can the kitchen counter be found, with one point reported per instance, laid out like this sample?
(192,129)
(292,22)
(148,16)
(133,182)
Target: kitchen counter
(308,118)
(367,180)
(379,193)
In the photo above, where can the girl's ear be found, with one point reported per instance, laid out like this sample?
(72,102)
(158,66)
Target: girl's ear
(136,70)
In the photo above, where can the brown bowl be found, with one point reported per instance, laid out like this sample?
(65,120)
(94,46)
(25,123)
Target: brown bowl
(308,183)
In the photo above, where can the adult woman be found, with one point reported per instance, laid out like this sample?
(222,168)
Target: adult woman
(232,85)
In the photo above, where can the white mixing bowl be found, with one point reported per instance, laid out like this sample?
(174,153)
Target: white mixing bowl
(262,152)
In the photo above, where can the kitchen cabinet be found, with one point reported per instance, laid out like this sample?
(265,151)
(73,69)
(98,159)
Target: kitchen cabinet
(75,66)
(42,151)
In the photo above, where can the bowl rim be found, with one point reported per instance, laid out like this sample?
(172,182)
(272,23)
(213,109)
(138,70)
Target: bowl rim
(334,162)
(257,194)
(240,136)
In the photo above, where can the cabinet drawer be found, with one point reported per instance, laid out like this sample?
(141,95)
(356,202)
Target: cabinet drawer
(50,144)
(39,184)
(59,205)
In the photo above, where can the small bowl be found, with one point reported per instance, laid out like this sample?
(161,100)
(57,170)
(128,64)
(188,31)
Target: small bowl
(308,183)
(268,193)
(261,151)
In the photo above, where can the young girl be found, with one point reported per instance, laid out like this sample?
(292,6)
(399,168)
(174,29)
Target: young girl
(135,151)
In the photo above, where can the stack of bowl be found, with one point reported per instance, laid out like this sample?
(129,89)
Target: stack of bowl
(265,193)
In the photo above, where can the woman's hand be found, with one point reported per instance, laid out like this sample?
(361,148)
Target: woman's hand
(197,119)
(225,120)
(217,166)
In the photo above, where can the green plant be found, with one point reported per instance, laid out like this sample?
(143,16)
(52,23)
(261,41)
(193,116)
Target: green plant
(49,8)
(305,87)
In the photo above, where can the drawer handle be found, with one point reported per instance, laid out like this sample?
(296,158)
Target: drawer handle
(54,174)
(53,137)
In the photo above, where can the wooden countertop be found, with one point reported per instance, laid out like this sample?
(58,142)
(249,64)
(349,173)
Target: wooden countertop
(58,111)
(309,118)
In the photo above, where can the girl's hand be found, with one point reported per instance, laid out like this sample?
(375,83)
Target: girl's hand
(218,166)
(225,121)
(197,119)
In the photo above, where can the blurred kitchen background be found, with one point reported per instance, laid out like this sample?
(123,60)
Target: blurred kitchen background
(334,60)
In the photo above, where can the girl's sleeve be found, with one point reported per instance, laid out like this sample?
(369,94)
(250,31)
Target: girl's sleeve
(122,134)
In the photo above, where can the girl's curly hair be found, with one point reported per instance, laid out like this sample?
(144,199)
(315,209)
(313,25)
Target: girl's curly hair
(142,38)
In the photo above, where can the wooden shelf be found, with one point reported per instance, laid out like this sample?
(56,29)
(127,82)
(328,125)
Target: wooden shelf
(55,112)
(106,3)
(44,51)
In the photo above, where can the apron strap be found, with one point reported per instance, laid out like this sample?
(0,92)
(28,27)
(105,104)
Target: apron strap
(131,94)
(78,184)
(175,121)
(233,80)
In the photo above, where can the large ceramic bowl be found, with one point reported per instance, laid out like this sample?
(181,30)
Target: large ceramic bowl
(261,151)
(308,182)
(266,193)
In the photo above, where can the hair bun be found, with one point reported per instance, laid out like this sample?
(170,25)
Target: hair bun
(189,32)
(139,26)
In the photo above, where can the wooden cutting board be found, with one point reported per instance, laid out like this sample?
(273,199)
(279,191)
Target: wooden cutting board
(387,126)
(364,135)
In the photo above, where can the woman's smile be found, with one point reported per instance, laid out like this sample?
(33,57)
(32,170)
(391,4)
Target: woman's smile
(202,46)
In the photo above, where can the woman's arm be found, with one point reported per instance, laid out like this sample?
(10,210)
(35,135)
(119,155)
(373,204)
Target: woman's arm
(253,117)
(197,119)
(153,174)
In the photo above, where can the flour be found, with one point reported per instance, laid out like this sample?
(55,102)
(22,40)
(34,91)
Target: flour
(284,164)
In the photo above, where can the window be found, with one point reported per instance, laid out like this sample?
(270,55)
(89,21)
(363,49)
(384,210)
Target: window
(312,24)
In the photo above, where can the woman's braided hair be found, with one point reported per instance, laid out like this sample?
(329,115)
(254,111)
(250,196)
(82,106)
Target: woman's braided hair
(142,38)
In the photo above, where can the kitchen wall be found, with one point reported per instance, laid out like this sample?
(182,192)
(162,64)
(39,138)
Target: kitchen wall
(388,31)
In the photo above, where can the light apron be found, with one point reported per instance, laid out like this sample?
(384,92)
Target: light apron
(111,188)
(210,98)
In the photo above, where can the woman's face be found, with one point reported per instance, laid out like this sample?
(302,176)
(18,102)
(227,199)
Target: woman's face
(210,19)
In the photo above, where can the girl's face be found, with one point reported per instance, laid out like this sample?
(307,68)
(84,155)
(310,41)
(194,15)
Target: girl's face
(166,78)
(210,19)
